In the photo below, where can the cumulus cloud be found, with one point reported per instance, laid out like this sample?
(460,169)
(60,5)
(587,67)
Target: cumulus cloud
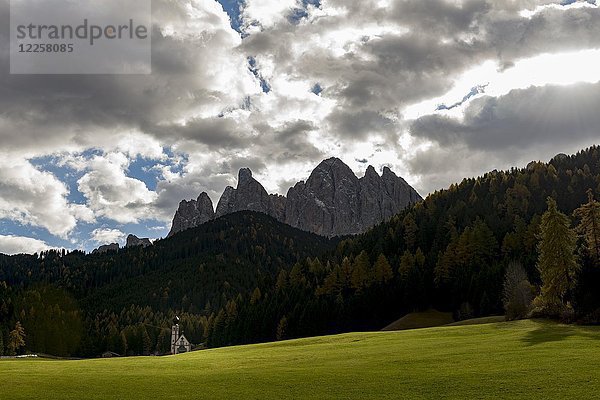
(11,245)
(103,236)
(37,198)
(265,13)
(110,193)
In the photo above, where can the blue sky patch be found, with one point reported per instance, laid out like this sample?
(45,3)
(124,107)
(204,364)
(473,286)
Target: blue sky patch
(254,69)
(317,89)
(233,9)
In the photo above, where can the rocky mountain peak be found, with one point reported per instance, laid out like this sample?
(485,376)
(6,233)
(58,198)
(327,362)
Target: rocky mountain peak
(334,161)
(333,200)
(204,202)
(134,241)
(371,174)
(244,177)
(192,213)
(106,248)
(332,165)
(330,177)
(249,195)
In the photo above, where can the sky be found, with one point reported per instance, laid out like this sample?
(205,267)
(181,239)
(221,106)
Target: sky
(438,90)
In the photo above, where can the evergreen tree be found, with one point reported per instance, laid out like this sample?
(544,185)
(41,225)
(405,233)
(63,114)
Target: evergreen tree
(556,263)
(517,293)
(345,274)
(297,277)
(410,232)
(162,343)
(122,344)
(256,296)
(407,262)
(360,271)
(332,283)
(419,258)
(1,345)
(281,328)
(382,270)
(146,342)
(16,339)
(589,227)
(281,280)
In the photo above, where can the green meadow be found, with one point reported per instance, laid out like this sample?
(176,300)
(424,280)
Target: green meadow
(527,359)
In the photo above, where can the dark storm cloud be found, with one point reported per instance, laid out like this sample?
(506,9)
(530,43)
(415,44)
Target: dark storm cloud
(551,30)
(520,119)
(62,108)
(216,133)
(359,124)
(288,143)
(381,73)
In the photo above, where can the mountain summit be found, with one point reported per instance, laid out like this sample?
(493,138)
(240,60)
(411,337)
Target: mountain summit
(333,201)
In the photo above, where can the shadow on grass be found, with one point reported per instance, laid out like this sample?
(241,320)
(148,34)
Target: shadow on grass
(548,331)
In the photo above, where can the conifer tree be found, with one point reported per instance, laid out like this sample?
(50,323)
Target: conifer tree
(281,280)
(122,349)
(589,227)
(517,292)
(419,259)
(556,263)
(407,262)
(16,339)
(383,272)
(297,277)
(281,328)
(410,231)
(345,273)
(162,343)
(360,271)
(256,296)
(146,342)
(332,283)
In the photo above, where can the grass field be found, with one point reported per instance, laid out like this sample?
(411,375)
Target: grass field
(479,321)
(526,360)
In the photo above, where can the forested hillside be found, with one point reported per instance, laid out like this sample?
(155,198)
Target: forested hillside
(449,251)
(126,299)
(247,278)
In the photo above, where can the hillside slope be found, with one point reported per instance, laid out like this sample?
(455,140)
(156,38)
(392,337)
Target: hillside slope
(128,298)
(521,360)
(239,251)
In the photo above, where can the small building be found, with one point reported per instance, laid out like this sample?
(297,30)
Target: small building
(179,343)
(182,345)
(110,354)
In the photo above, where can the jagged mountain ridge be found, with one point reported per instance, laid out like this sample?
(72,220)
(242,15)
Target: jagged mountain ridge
(132,241)
(332,202)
